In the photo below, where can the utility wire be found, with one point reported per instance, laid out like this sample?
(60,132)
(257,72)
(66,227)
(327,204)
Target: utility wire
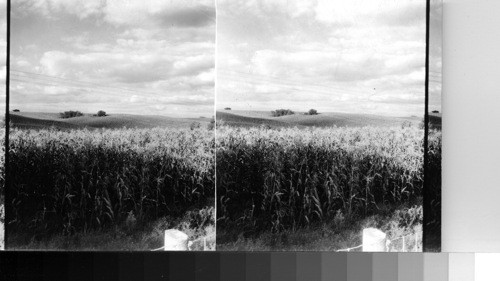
(73,82)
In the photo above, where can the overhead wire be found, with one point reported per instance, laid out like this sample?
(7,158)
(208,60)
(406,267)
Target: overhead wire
(32,78)
(59,81)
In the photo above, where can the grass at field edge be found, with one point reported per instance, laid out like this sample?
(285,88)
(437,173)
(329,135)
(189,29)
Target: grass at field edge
(334,235)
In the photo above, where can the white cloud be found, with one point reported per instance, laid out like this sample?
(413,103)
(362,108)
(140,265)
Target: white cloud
(207,76)
(124,12)
(354,65)
(135,99)
(21,63)
(3,73)
(81,9)
(51,8)
(193,64)
(178,13)
(356,12)
(128,62)
(268,88)
(56,90)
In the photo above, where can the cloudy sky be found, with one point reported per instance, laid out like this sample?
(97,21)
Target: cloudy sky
(3,53)
(153,57)
(356,56)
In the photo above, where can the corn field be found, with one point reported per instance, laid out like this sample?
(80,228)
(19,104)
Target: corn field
(277,179)
(69,181)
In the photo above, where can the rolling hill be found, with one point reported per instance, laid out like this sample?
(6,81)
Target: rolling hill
(247,121)
(330,119)
(39,120)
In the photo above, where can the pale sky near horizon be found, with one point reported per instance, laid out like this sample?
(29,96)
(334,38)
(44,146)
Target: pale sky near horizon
(357,56)
(151,57)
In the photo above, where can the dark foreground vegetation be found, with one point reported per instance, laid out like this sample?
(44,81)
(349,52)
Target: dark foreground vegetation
(275,182)
(72,183)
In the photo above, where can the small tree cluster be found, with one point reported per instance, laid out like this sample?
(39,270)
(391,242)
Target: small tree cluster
(312,112)
(281,112)
(70,114)
(101,113)
(16,110)
(227,108)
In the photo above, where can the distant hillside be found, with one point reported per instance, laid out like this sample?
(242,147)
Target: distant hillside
(34,120)
(246,121)
(255,118)
(25,122)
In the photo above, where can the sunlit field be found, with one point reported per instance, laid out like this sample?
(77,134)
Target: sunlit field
(317,188)
(109,188)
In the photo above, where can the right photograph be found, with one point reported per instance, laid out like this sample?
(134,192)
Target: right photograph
(328,125)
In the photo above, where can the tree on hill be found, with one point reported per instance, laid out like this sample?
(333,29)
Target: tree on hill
(227,108)
(70,114)
(312,112)
(282,112)
(101,113)
(435,111)
(16,110)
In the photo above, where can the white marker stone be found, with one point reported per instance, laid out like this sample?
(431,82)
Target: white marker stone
(374,240)
(175,240)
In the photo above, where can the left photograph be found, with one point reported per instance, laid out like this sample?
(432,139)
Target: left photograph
(112,140)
